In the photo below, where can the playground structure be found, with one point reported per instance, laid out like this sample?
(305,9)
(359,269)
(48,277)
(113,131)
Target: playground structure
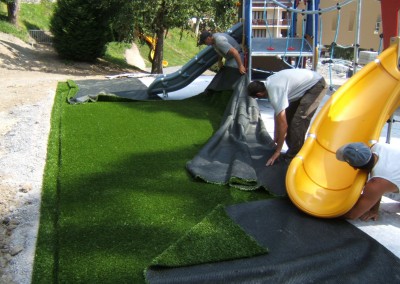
(276,47)
(316,182)
(263,54)
(207,57)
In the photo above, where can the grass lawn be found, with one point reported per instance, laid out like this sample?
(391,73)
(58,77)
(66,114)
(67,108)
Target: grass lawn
(116,193)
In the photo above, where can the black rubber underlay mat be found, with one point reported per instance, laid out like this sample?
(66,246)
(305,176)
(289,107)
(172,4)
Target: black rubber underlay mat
(128,88)
(236,154)
(302,249)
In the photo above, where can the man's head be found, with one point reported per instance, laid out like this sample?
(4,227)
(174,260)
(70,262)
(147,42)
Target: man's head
(205,38)
(257,89)
(358,155)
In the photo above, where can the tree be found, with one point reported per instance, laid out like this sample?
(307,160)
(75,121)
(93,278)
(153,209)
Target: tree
(81,29)
(157,16)
(120,14)
(12,11)
(202,10)
(226,12)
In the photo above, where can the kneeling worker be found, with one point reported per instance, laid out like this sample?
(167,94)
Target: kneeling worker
(381,161)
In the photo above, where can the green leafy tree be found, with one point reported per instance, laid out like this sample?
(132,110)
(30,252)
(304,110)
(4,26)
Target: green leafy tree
(121,18)
(225,13)
(155,17)
(82,28)
(12,10)
(203,10)
(218,15)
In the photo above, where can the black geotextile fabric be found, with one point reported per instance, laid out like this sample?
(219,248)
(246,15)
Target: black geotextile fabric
(127,88)
(302,249)
(236,154)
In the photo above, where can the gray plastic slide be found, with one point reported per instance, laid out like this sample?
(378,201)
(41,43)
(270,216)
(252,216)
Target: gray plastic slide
(191,70)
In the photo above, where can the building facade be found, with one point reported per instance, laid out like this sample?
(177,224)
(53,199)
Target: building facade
(344,23)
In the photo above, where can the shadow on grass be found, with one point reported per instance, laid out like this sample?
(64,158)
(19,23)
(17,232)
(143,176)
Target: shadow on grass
(30,26)
(112,223)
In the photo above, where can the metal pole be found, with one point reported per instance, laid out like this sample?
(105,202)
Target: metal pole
(389,130)
(314,35)
(250,38)
(332,8)
(357,37)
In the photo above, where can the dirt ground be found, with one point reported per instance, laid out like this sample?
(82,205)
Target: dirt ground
(29,74)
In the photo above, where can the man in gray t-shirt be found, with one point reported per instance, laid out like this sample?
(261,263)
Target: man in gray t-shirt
(226,47)
(294,95)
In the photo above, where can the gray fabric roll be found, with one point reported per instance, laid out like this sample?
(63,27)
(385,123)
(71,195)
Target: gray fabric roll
(236,154)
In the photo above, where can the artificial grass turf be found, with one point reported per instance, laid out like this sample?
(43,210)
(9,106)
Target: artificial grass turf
(229,241)
(116,193)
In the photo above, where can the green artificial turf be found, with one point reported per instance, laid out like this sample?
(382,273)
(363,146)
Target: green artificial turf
(116,193)
(215,238)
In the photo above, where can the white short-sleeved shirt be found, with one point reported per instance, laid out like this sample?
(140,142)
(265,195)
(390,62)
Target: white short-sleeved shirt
(222,44)
(388,165)
(289,85)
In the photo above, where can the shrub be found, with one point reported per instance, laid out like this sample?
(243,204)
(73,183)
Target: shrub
(80,29)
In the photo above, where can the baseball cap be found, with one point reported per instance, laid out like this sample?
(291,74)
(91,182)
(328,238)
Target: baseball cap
(203,36)
(355,154)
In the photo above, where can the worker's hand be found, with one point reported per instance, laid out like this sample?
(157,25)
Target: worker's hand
(369,215)
(272,160)
(242,69)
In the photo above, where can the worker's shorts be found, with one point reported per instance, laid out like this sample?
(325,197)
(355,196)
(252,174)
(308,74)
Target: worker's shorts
(299,114)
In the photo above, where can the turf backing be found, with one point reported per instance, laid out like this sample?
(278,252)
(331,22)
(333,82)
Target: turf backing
(116,193)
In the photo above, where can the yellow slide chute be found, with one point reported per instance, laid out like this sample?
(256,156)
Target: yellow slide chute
(316,182)
(152,43)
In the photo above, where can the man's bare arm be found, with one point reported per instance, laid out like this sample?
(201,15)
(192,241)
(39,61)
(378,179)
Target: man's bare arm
(372,193)
(280,131)
(238,59)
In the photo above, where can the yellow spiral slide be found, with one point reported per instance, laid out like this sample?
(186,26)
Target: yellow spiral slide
(152,43)
(316,182)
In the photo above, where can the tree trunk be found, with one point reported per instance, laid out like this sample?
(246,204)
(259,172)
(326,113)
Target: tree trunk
(157,66)
(12,10)
(197,28)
